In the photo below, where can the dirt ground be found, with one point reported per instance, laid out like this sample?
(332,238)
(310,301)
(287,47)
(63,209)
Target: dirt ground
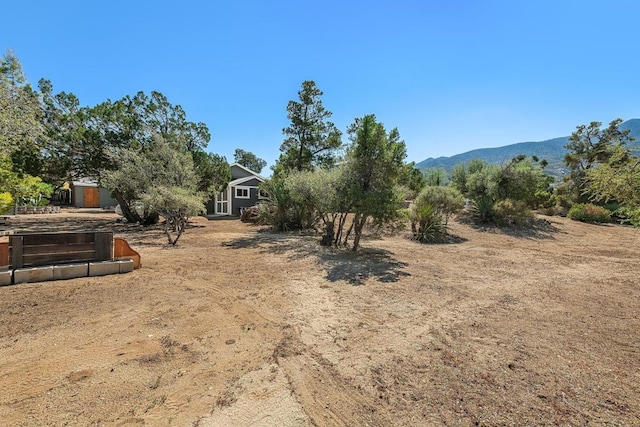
(238,326)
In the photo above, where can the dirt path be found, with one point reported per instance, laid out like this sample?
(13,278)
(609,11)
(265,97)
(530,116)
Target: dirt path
(238,327)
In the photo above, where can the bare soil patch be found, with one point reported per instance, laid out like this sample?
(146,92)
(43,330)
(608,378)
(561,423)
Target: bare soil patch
(238,326)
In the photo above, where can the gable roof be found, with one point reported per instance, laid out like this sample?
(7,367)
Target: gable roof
(249,171)
(245,179)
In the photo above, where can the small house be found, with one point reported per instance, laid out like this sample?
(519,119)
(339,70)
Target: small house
(87,194)
(242,192)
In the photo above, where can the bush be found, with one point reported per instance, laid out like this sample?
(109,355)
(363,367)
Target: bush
(589,213)
(482,211)
(6,201)
(510,212)
(629,214)
(427,224)
(446,201)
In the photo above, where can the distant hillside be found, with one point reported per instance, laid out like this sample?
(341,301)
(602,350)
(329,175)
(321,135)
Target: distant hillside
(552,150)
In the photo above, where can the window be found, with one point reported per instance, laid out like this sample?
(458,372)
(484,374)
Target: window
(242,192)
(262,194)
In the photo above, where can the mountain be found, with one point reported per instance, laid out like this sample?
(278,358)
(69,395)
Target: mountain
(551,150)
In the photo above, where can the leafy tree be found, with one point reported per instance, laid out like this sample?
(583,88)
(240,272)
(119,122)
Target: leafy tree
(23,188)
(59,156)
(461,173)
(435,177)
(523,179)
(19,107)
(114,131)
(311,140)
(319,195)
(249,160)
(373,165)
(411,178)
(521,184)
(6,201)
(589,146)
(150,176)
(618,180)
(175,204)
(213,172)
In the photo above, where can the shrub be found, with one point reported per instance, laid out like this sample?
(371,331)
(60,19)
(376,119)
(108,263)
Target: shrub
(427,224)
(629,214)
(6,201)
(446,201)
(482,210)
(511,212)
(589,213)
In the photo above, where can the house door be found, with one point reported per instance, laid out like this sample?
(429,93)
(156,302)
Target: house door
(222,203)
(91,197)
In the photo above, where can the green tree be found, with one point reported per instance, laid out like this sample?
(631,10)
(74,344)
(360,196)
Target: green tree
(501,194)
(114,130)
(249,160)
(311,140)
(412,179)
(374,162)
(461,173)
(175,204)
(19,108)
(22,187)
(213,172)
(618,180)
(149,176)
(435,177)
(59,156)
(589,146)
(319,196)
(523,179)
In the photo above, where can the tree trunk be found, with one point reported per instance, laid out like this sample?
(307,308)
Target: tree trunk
(130,214)
(327,238)
(346,236)
(151,218)
(358,231)
(175,224)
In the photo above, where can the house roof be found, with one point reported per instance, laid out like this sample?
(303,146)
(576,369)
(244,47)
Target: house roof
(84,183)
(256,174)
(245,179)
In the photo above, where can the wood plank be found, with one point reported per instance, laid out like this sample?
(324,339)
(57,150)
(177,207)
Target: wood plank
(58,238)
(91,196)
(51,248)
(4,254)
(122,250)
(58,248)
(15,242)
(48,259)
(104,245)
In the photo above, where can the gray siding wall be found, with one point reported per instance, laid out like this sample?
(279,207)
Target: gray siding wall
(237,173)
(105,197)
(78,196)
(106,200)
(243,203)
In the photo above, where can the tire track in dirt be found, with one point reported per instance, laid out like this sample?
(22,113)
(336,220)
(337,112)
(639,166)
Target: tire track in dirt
(327,398)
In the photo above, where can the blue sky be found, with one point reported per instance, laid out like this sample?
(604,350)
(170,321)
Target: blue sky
(451,75)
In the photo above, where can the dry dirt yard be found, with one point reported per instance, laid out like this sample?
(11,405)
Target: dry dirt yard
(238,326)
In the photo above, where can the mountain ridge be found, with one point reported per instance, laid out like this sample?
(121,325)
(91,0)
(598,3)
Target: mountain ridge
(551,150)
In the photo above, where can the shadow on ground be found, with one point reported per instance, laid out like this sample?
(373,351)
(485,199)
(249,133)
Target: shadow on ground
(539,228)
(340,264)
